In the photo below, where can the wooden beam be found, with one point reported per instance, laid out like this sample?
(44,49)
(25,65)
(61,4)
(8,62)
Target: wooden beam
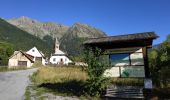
(146,64)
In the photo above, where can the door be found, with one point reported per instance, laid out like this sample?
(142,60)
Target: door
(38,58)
(22,63)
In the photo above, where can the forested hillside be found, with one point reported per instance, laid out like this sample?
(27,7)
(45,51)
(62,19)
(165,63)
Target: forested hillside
(70,38)
(21,40)
(6,50)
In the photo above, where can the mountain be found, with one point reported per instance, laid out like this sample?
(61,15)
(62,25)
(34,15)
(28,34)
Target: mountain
(84,30)
(21,40)
(38,28)
(42,29)
(70,38)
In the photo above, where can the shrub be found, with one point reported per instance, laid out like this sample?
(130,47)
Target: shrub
(160,65)
(96,83)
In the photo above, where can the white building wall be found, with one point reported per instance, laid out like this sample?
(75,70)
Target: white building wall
(29,64)
(34,52)
(12,62)
(57,59)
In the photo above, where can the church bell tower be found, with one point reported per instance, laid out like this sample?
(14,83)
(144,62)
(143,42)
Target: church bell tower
(56,45)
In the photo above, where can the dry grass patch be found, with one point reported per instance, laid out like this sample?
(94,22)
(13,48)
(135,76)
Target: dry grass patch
(58,74)
(5,68)
(128,81)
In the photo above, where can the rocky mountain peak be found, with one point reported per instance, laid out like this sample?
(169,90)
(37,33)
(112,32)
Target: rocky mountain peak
(42,29)
(22,20)
(84,30)
(70,38)
(39,29)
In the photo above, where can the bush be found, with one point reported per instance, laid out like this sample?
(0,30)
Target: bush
(160,65)
(96,83)
(37,64)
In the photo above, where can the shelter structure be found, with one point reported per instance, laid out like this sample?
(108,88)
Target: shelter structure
(127,54)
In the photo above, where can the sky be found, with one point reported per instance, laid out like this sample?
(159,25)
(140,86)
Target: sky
(114,17)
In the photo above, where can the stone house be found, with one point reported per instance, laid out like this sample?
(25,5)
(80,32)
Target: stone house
(20,59)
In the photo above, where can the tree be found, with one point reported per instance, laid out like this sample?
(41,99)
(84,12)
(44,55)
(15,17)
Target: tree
(6,51)
(160,64)
(168,38)
(96,83)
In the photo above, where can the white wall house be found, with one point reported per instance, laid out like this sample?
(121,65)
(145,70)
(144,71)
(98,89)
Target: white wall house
(38,55)
(59,57)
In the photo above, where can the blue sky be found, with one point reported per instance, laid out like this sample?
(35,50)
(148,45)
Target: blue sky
(115,17)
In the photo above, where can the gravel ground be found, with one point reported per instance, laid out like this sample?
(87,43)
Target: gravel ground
(49,96)
(13,84)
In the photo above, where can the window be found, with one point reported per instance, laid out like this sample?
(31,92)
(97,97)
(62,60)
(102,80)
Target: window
(125,59)
(33,50)
(54,59)
(22,63)
(119,59)
(127,64)
(38,58)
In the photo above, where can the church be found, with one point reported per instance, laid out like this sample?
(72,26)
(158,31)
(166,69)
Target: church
(59,57)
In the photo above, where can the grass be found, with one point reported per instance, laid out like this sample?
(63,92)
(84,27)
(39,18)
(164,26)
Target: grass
(58,75)
(63,81)
(69,81)
(27,94)
(128,81)
(160,93)
(5,68)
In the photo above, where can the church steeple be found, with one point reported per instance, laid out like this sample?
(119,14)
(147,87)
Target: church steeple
(57,45)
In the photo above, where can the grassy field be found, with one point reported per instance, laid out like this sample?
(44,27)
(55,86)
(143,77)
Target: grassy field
(58,75)
(5,68)
(71,81)
(64,81)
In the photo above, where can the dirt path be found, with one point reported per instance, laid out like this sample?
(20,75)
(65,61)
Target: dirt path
(13,84)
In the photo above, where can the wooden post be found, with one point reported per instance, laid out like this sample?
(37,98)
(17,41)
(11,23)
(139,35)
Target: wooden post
(146,64)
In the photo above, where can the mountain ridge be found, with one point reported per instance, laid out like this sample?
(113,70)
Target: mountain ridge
(55,30)
(21,39)
(70,38)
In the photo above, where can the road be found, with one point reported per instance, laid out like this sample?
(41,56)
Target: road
(13,84)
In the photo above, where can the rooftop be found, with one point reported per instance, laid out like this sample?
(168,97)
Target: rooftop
(120,41)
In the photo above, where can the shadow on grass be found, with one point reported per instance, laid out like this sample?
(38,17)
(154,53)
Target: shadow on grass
(73,87)
(161,93)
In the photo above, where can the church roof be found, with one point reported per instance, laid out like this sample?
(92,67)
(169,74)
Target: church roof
(59,52)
